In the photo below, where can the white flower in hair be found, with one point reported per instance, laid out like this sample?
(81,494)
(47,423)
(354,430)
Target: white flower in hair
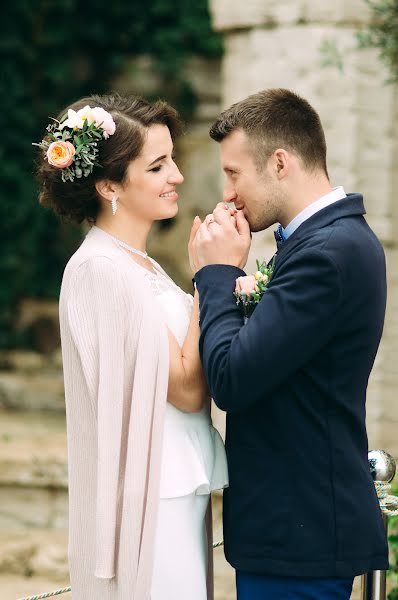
(86,114)
(104,120)
(76,120)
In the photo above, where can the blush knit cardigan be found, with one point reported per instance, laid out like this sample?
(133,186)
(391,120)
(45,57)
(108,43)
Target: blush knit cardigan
(116,361)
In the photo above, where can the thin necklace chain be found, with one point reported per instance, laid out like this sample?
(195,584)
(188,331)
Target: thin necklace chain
(130,248)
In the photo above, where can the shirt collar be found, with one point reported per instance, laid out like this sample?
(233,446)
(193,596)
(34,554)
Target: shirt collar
(337,193)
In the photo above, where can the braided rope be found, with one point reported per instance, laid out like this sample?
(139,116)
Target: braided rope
(386,499)
(69,589)
(48,594)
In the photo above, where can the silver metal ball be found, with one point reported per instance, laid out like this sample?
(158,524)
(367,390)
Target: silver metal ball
(382,465)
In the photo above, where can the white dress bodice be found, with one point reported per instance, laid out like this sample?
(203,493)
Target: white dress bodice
(193,457)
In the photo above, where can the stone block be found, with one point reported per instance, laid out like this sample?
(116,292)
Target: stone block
(228,15)
(22,360)
(141,78)
(30,508)
(39,319)
(33,452)
(34,553)
(34,391)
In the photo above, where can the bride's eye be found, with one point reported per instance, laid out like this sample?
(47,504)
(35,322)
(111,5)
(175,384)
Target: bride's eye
(156,169)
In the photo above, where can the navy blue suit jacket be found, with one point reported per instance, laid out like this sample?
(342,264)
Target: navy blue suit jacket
(301,501)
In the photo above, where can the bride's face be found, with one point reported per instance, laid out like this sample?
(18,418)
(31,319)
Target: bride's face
(150,190)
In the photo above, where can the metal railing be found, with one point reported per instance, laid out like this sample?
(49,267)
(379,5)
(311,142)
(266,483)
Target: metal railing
(373,585)
(382,467)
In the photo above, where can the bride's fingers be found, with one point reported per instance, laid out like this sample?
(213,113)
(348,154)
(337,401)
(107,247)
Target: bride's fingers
(194,229)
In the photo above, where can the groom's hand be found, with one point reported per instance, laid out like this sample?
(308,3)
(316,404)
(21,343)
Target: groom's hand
(223,238)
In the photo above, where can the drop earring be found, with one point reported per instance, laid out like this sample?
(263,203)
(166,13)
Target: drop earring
(114,204)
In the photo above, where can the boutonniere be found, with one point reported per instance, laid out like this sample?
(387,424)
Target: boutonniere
(250,289)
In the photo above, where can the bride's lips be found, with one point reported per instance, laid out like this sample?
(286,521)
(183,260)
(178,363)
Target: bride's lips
(170,195)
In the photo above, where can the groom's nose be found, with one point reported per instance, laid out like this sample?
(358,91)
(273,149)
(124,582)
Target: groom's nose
(229,194)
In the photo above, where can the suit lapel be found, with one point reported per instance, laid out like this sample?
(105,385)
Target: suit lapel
(351,206)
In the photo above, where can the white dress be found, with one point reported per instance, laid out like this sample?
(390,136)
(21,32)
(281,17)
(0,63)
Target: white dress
(193,465)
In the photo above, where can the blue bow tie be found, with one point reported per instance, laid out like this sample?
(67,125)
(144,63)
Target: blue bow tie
(279,237)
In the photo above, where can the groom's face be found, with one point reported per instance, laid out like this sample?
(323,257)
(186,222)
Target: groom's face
(251,189)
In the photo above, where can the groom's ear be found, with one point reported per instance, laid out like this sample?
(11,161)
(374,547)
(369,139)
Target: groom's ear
(280,163)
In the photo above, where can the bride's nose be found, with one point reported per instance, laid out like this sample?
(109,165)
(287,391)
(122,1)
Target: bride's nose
(176,176)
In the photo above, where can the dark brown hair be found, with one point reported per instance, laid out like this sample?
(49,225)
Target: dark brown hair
(276,118)
(77,200)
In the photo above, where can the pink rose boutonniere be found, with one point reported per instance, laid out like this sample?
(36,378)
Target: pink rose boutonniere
(250,289)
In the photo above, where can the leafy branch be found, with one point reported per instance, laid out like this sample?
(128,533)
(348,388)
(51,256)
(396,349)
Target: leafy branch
(382,33)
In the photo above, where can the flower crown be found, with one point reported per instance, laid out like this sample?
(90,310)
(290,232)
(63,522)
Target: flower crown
(73,145)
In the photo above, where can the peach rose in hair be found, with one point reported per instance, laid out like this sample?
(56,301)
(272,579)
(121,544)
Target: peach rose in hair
(60,154)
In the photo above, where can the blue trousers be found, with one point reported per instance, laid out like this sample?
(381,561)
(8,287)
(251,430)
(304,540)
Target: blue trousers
(250,586)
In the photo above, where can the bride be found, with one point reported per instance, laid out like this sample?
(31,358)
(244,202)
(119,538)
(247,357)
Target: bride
(143,455)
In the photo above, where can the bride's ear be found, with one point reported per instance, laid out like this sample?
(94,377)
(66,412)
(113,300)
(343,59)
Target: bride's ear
(106,189)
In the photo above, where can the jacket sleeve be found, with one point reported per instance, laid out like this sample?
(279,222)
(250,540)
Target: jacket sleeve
(97,313)
(295,318)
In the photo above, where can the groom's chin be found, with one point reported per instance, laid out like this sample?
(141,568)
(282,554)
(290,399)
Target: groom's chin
(256,227)
(260,225)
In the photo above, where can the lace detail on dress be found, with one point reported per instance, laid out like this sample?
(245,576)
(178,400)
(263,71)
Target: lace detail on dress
(160,283)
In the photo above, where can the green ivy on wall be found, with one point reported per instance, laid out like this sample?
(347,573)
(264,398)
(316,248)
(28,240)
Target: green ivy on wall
(54,51)
(382,33)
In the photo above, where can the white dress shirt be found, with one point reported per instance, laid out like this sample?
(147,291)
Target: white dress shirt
(337,193)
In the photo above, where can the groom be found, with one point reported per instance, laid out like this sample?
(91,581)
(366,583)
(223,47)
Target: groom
(301,517)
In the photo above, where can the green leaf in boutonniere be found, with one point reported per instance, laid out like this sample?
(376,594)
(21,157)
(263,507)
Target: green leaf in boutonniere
(250,289)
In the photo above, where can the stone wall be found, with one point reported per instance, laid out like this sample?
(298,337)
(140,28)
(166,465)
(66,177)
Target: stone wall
(274,44)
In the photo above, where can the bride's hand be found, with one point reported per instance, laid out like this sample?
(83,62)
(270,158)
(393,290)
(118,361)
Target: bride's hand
(195,226)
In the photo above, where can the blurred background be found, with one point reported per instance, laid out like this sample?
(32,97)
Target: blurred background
(201,56)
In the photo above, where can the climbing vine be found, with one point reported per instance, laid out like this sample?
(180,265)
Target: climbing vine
(382,33)
(54,51)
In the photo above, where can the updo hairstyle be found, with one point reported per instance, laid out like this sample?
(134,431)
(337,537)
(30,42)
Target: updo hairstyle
(77,201)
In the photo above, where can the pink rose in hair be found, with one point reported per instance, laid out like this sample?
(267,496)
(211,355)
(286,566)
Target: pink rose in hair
(60,154)
(104,120)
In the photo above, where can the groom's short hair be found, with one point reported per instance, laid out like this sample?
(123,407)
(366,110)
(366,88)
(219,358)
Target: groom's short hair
(272,119)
